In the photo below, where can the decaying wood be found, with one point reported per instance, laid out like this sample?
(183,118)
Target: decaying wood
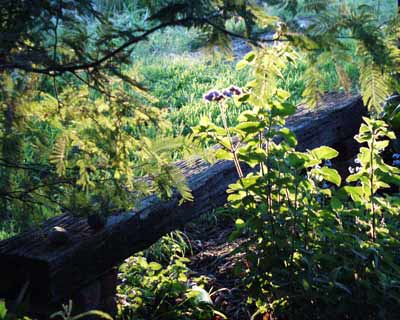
(56,273)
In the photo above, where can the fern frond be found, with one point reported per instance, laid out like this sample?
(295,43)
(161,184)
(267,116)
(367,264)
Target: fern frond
(59,154)
(169,178)
(375,86)
(339,57)
(325,24)
(180,183)
(344,79)
(269,63)
(315,5)
(263,19)
(313,83)
(168,145)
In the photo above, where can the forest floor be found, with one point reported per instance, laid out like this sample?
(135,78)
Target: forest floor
(215,257)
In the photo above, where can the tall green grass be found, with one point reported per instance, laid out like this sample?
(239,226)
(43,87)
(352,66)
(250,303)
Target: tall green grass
(180,81)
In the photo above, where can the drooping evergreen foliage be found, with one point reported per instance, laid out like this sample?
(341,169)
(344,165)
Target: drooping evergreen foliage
(74,115)
(79,131)
(58,37)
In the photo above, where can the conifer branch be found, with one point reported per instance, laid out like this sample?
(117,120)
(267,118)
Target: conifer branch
(58,69)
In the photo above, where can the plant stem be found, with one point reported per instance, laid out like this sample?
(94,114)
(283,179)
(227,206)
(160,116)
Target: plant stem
(233,148)
(372,189)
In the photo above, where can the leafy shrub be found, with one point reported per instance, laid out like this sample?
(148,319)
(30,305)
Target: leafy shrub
(152,291)
(173,244)
(80,152)
(315,249)
(158,284)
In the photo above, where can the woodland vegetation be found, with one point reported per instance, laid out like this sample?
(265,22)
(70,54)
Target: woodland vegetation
(95,95)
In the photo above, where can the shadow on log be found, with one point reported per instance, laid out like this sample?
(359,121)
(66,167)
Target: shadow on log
(57,274)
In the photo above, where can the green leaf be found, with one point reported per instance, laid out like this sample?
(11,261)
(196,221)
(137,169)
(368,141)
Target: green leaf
(242,98)
(283,109)
(252,156)
(391,178)
(330,175)
(289,136)
(381,145)
(324,153)
(3,309)
(241,64)
(222,154)
(240,223)
(200,295)
(305,284)
(250,127)
(356,193)
(236,197)
(250,56)
(155,266)
(248,115)
(336,204)
(297,159)
(250,180)
(283,94)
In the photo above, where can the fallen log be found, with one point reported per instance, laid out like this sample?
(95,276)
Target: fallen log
(55,274)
